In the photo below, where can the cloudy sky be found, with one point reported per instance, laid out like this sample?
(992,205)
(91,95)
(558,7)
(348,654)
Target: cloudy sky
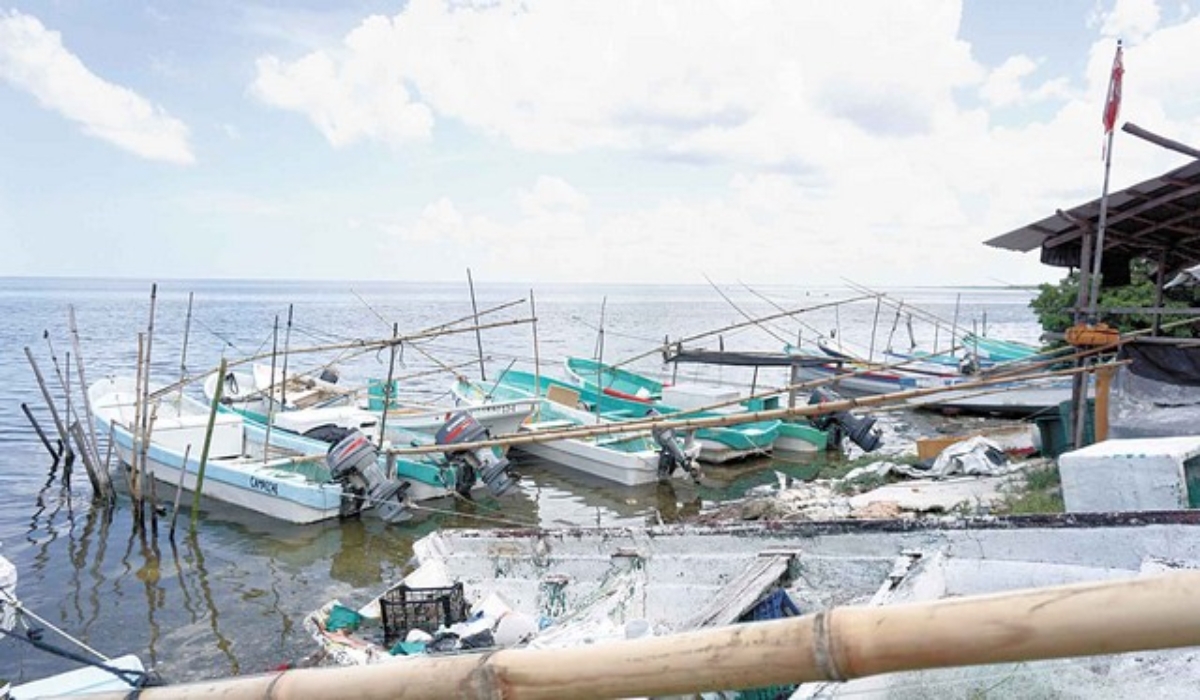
(549,141)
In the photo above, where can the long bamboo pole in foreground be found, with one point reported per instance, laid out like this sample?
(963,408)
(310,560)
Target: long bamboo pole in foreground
(838,644)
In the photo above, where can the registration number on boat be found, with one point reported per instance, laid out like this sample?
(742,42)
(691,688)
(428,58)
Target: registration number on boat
(265,486)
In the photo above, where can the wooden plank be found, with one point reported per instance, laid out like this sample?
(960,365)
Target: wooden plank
(740,594)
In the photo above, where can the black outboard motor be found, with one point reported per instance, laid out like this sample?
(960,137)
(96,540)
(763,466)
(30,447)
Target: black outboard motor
(841,424)
(670,455)
(492,470)
(354,463)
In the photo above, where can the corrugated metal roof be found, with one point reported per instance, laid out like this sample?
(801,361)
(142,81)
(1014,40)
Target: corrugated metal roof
(1159,215)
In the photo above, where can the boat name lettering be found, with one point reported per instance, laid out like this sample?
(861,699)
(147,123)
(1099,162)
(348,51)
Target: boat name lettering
(265,486)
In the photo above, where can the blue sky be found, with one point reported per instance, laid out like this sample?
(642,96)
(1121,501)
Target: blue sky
(569,141)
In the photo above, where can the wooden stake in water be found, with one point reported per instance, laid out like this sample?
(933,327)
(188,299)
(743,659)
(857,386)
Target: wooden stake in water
(478,335)
(135,480)
(874,328)
(87,402)
(187,329)
(287,341)
(64,439)
(208,433)
(387,388)
(179,489)
(270,395)
(600,358)
(145,391)
(38,429)
(537,361)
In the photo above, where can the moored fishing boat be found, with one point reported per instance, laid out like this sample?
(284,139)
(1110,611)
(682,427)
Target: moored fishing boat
(626,459)
(598,382)
(256,397)
(277,473)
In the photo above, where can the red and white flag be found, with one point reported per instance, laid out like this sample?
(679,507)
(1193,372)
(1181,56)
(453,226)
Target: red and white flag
(1112,106)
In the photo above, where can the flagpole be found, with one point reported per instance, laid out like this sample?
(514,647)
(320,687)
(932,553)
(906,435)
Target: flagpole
(1079,386)
(1111,106)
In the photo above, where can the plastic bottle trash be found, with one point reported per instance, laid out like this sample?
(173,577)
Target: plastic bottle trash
(636,628)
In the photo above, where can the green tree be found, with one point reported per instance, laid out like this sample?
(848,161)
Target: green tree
(1055,303)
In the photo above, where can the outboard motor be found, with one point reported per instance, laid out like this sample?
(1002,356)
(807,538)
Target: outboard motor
(841,424)
(354,463)
(492,470)
(670,455)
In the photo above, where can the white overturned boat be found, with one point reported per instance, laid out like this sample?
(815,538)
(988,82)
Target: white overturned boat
(560,588)
(626,459)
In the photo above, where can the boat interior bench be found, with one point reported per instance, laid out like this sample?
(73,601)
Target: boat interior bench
(742,593)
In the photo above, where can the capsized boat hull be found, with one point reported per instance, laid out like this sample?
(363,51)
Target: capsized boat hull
(597,584)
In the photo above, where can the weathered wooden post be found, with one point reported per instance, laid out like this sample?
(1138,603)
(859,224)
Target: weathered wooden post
(64,439)
(212,421)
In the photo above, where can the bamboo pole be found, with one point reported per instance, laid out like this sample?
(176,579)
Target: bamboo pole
(145,389)
(673,421)
(135,480)
(58,424)
(387,389)
(537,360)
(208,432)
(874,327)
(81,442)
(187,330)
(364,345)
(270,393)
(841,643)
(38,429)
(93,444)
(744,324)
(187,451)
(478,335)
(287,343)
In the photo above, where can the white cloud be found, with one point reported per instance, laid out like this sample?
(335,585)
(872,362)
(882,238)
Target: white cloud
(350,95)
(550,196)
(698,80)
(33,59)
(1003,86)
(1130,19)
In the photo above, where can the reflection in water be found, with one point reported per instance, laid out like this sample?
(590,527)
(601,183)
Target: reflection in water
(671,509)
(210,607)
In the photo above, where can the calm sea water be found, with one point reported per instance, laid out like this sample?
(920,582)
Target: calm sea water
(231,598)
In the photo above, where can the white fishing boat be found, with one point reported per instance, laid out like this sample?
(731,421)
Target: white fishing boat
(556,588)
(285,475)
(311,403)
(628,459)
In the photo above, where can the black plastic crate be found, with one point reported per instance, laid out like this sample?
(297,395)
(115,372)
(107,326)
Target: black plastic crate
(404,608)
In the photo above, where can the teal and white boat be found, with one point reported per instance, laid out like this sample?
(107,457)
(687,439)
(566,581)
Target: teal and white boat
(313,402)
(614,381)
(996,350)
(277,473)
(626,459)
(625,394)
